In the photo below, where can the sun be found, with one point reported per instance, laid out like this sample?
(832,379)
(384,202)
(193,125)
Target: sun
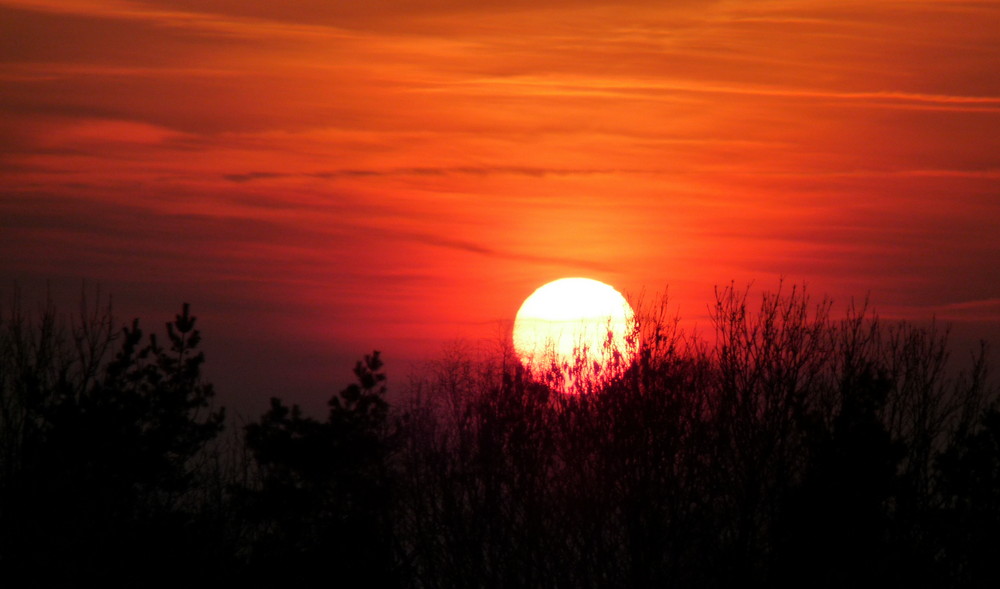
(578,326)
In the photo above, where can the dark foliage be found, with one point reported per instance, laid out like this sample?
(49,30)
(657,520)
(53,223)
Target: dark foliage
(322,504)
(788,450)
(99,455)
(968,519)
(785,449)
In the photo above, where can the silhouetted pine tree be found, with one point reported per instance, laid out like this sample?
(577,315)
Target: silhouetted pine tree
(102,452)
(322,506)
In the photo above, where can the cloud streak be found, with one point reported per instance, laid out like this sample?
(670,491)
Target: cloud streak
(491,252)
(530,172)
(624,88)
(213,23)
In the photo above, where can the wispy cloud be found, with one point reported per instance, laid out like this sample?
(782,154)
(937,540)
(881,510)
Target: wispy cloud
(245,177)
(493,252)
(993,304)
(577,86)
(214,23)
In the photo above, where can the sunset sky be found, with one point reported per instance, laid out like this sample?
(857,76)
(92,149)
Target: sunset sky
(320,178)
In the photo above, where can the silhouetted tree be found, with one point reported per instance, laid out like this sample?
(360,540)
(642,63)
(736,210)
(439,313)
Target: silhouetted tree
(100,452)
(788,449)
(835,529)
(969,518)
(322,506)
(783,448)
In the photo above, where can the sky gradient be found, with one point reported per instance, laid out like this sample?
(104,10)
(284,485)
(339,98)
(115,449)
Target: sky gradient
(320,178)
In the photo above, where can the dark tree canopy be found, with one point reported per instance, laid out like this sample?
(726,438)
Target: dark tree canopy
(99,455)
(323,499)
(786,448)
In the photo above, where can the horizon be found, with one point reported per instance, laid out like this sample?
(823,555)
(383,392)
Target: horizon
(313,391)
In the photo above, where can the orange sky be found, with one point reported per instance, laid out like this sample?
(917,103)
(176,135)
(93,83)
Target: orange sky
(321,178)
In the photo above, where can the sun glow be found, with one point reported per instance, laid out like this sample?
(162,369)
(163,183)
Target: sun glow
(576,330)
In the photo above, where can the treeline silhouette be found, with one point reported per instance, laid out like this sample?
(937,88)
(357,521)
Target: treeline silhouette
(787,448)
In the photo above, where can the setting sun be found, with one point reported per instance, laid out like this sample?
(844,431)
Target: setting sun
(576,324)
